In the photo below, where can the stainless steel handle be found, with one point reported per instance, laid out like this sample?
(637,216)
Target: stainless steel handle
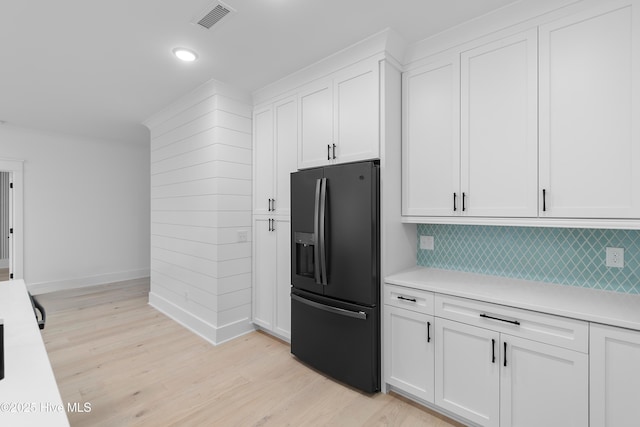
(316,233)
(341,311)
(273,205)
(323,242)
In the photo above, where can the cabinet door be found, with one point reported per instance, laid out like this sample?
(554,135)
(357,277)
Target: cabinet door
(264,272)
(589,113)
(282,310)
(263,160)
(357,112)
(615,375)
(499,141)
(286,145)
(316,125)
(467,371)
(542,385)
(431,139)
(409,351)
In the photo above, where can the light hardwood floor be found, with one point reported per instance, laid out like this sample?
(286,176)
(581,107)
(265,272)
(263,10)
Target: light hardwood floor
(136,367)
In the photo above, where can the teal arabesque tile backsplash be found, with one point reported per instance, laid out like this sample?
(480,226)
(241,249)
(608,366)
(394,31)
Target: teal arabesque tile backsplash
(568,256)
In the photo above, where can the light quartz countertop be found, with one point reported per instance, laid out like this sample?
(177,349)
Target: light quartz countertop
(611,308)
(29,395)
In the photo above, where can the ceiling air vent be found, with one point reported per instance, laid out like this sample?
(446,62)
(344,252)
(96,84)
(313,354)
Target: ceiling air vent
(212,15)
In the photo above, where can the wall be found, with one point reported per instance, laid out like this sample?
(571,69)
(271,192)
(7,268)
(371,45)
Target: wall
(200,200)
(568,256)
(86,204)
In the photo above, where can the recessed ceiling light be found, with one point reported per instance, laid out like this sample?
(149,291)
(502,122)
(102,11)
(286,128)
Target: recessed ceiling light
(185,55)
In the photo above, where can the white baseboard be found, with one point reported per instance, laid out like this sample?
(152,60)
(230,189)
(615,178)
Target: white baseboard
(81,282)
(214,334)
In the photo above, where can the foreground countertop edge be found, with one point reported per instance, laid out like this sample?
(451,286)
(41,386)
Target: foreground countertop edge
(592,305)
(29,394)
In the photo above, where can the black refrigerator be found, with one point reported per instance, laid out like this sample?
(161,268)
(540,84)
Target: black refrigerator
(335,272)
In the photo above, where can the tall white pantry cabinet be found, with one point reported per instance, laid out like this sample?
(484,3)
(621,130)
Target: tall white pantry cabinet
(537,126)
(340,110)
(275,135)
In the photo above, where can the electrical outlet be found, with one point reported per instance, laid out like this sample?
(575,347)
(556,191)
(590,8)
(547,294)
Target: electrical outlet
(426,242)
(242,236)
(615,257)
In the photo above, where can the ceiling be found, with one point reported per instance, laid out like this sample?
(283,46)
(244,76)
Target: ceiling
(100,68)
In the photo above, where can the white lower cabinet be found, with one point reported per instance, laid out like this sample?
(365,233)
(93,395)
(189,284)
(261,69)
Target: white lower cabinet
(272,275)
(409,341)
(614,376)
(467,372)
(499,371)
(409,351)
(494,365)
(542,385)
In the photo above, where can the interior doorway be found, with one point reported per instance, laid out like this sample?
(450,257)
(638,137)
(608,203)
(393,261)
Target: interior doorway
(11,226)
(5,225)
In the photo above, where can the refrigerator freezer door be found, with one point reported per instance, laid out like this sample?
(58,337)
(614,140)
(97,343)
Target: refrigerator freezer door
(352,233)
(339,339)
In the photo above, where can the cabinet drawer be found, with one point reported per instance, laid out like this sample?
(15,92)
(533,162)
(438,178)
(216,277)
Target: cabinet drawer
(408,298)
(546,328)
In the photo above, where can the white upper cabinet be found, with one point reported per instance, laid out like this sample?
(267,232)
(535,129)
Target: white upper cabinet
(275,141)
(316,124)
(499,103)
(286,139)
(590,113)
(431,140)
(470,132)
(339,117)
(263,169)
(548,124)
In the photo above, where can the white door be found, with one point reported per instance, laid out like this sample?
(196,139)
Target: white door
(263,159)
(431,139)
(589,108)
(264,272)
(499,141)
(614,376)
(316,125)
(356,113)
(542,385)
(467,371)
(286,146)
(282,287)
(409,351)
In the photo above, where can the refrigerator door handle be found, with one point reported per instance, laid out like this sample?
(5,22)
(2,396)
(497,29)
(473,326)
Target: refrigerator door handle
(340,311)
(316,233)
(322,239)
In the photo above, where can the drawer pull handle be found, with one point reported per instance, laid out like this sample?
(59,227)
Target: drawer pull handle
(428,332)
(493,350)
(513,322)
(406,299)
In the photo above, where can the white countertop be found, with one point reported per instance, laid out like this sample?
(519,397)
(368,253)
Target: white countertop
(29,395)
(612,308)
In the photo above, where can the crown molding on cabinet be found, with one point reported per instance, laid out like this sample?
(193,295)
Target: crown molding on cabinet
(387,43)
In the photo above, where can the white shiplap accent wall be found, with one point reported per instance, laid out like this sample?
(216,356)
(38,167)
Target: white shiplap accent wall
(200,200)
